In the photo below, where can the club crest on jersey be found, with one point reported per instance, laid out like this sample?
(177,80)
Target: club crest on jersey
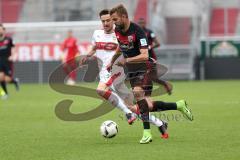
(130,38)
(114,38)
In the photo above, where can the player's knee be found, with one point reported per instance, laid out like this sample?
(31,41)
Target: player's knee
(8,79)
(150,103)
(2,77)
(133,108)
(138,93)
(101,90)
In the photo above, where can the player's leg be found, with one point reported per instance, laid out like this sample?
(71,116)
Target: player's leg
(181,106)
(136,80)
(127,96)
(144,113)
(68,70)
(162,126)
(167,87)
(3,72)
(123,92)
(8,78)
(158,106)
(155,74)
(116,83)
(162,106)
(2,93)
(73,73)
(3,89)
(104,91)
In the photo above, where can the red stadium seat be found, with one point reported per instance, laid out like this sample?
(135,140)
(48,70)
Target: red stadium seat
(217,21)
(178,30)
(11,10)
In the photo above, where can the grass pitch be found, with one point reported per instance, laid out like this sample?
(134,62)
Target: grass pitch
(30,130)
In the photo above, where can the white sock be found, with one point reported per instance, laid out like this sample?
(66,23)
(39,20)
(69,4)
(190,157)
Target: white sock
(155,121)
(116,101)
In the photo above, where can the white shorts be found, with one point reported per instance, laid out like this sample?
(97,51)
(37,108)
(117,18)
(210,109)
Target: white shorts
(118,84)
(104,75)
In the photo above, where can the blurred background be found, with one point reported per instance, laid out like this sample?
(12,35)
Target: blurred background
(199,38)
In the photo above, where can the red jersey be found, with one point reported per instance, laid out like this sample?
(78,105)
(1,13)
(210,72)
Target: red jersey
(70,44)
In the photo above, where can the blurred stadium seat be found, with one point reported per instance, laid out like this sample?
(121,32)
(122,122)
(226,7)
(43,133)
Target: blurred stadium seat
(10,10)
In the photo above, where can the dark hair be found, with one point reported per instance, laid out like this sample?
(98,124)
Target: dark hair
(104,12)
(120,10)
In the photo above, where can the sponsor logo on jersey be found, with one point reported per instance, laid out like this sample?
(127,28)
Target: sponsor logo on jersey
(114,38)
(143,42)
(130,38)
(108,46)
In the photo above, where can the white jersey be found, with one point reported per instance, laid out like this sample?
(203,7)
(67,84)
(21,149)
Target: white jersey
(106,45)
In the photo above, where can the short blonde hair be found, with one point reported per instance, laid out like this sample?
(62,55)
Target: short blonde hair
(120,10)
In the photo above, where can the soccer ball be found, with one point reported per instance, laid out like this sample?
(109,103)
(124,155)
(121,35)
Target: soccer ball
(109,129)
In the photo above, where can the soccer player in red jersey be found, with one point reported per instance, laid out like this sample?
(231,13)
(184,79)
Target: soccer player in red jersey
(134,46)
(111,86)
(151,37)
(153,42)
(69,58)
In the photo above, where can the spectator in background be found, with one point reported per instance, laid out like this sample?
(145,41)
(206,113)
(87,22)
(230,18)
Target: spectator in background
(70,48)
(154,43)
(6,62)
(151,37)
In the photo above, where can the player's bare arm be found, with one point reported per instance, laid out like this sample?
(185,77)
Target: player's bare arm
(114,58)
(13,56)
(142,57)
(89,54)
(116,55)
(156,43)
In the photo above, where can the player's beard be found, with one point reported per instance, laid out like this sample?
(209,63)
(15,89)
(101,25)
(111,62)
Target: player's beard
(120,27)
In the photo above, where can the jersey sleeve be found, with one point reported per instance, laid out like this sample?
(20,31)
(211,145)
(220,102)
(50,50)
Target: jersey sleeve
(141,38)
(94,39)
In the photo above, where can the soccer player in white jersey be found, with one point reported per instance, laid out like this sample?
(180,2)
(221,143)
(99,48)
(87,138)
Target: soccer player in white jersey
(104,45)
(111,85)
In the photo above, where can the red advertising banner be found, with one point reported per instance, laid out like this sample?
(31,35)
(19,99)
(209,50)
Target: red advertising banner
(43,51)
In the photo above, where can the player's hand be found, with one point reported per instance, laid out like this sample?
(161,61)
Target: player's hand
(11,58)
(121,62)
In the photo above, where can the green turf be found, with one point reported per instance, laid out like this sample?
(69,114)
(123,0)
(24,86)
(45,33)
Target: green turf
(29,129)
